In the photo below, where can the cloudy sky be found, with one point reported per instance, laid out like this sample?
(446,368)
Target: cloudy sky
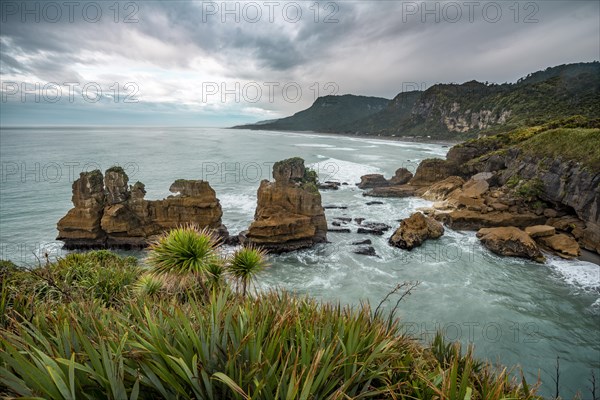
(202,63)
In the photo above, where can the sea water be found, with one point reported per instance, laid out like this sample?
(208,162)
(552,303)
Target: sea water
(514,311)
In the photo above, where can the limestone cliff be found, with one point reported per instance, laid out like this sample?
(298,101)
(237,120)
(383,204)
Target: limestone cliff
(110,213)
(289,214)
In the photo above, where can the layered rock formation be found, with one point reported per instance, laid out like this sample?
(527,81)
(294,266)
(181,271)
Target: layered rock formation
(510,241)
(289,214)
(110,213)
(413,231)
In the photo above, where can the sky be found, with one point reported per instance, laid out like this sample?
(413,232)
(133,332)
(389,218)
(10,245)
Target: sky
(204,63)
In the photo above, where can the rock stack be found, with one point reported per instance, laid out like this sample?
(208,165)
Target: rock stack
(289,214)
(109,213)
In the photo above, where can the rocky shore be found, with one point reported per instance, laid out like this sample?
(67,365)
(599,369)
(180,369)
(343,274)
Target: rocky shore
(514,190)
(521,195)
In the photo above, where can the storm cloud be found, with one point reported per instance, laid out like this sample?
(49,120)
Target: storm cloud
(220,63)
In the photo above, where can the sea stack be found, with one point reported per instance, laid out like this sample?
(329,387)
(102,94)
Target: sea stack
(109,213)
(289,215)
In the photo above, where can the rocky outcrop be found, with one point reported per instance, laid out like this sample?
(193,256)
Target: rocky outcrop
(289,214)
(561,183)
(413,231)
(442,189)
(510,241)
(81,226)
(433,170)
(392,191)
(109,213)
(561,244)
(538,231)
(471,220)
(371,181)
(401,177)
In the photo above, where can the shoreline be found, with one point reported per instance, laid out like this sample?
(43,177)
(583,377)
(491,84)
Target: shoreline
(446,142)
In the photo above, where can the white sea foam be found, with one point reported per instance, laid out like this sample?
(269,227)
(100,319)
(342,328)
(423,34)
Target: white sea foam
(314,145)
(241,203)
(582,274)
(333,169)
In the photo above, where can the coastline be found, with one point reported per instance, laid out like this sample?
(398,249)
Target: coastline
(407,139)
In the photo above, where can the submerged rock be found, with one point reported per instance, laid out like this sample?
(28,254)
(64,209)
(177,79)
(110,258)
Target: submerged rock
(510,241)
(413,231)
(366,251)
(289,214)
(108,213)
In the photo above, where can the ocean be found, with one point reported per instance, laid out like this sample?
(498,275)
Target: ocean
(513,311)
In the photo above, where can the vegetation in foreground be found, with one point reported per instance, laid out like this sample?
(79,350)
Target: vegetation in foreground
(97,325)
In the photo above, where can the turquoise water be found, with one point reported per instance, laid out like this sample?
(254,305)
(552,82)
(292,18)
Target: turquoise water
(514,311)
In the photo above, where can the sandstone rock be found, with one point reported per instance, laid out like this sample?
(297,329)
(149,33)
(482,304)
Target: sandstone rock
(470,203)
(550,213)
(80,228)
(475,188)
(371,181)
(401,177)
(499,206)
(510,241)
(566,223)
(289,215)
(440,190)
(433,170)
(413,231)
(290,170)
(366,241)
(392,191)
(115,182)
(473,220)
(561,244)
(441,205)
(113,215)
(537,231)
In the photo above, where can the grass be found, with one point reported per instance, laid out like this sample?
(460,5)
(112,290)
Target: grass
(580,145)
(150,341)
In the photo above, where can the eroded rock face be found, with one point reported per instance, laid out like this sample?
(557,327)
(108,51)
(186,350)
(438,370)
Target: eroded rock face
(109,213)
(401,177)
(442,189)
(465,219)
(82,222)
(510,241)
(433,170)
(413,231)
(561,244)
(371,181)
(289,214)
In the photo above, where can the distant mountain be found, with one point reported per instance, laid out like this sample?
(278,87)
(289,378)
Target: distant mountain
(458,110)
(327,114)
